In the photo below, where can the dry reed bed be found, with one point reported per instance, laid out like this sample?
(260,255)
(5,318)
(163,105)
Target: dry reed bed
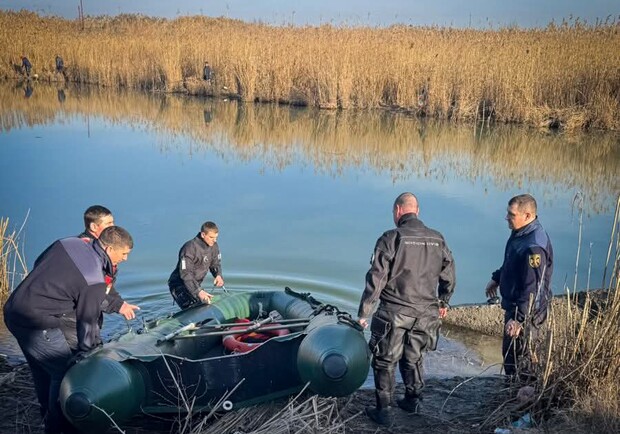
(335,141)
(12,265)
(567,75)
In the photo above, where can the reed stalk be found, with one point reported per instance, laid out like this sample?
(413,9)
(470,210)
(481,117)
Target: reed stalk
(12,265)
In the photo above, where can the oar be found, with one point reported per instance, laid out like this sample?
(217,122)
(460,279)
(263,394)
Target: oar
(190,326)
(236,324)
(240,332)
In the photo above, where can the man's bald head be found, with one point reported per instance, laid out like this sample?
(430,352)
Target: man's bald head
(405,203)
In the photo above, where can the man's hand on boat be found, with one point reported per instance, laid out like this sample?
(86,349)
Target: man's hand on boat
(218,281)
(363,322)
(128,310)
(204,296)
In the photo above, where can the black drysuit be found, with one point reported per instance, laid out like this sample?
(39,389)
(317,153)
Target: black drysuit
(412,274)
(196,259)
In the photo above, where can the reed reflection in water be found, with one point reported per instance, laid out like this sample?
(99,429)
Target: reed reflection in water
(505,156)
(300,195)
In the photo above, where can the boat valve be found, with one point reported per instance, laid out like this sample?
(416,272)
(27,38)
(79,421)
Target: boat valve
(227,405)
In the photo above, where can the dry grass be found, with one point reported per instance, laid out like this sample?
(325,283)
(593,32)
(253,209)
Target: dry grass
(562,76)
(12,265)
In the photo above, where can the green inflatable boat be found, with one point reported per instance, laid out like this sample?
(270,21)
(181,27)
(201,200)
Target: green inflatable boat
(257,345)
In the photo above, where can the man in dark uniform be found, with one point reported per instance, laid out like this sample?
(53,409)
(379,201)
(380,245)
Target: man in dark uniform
(96,219)
(198,256)
(207,73)
(67,279)
(60,65)
(26,65)
(412,275)
(524,280)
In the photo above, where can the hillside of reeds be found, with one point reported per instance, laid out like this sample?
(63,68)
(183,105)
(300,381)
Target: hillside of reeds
(565,76)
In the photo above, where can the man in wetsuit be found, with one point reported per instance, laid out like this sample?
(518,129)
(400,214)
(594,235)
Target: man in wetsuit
(66,280)
(412,275)
(198,256)
(524,281)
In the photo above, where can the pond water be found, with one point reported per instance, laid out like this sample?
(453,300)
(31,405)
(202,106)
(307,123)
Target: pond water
(300,195)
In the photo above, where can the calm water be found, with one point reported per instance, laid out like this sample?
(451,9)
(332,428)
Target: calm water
(300,195)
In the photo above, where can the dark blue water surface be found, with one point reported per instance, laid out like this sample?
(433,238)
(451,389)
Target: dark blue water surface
(300,196)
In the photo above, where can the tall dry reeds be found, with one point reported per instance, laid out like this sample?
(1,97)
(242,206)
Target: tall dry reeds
(566,76)
(12,266)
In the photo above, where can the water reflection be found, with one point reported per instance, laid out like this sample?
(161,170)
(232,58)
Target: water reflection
(28,89)
(61,95)
(333,141)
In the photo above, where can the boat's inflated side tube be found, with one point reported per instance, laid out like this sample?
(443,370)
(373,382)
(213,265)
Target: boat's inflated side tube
(105,383)
(334,358)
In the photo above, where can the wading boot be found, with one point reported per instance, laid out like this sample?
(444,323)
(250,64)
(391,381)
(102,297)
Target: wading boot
(410,405)
(381,416)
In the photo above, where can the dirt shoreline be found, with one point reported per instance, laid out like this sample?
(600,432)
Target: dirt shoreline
(451,405)
(455,405)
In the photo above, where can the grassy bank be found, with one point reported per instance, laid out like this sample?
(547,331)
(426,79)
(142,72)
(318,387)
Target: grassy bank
(566,76)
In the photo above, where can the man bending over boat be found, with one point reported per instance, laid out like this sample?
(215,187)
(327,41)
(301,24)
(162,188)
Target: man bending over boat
(197,257)
(96,219)
(412,275)
(66,280)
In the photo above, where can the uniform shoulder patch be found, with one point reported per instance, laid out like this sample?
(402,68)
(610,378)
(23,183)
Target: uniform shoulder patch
(534,260)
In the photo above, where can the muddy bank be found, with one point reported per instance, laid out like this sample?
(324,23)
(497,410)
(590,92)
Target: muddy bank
(489,319)
(454,405)
(486,319)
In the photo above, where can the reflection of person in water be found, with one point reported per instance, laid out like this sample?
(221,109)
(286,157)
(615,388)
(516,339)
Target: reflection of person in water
(208,116)
(61,96)
(28,90)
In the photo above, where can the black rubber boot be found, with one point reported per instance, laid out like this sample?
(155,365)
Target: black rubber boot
(384,385)
(381,416)
(410,405)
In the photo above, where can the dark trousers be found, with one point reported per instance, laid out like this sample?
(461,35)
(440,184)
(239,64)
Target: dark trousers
(400,339)
(517,351)
(183,298)
(47,353)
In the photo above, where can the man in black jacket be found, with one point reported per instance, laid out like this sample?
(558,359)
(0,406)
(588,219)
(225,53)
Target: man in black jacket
(198,256)
(412,275)
(96,219)
(68,279)
(524,281)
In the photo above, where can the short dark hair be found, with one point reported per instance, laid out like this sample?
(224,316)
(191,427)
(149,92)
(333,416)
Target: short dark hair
(405,197)
(209,227)
(116,236)
(94,214)
(524,202)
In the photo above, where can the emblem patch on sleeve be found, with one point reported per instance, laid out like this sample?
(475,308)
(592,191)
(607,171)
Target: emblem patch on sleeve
(534,260)
(183,264)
